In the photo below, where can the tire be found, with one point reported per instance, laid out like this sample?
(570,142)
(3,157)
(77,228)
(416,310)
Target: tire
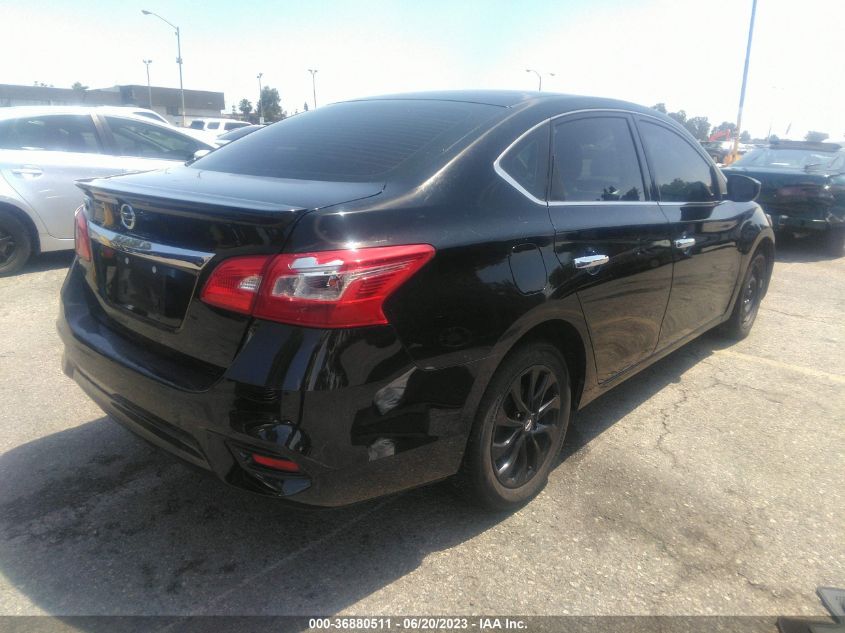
(15,244)
(835,242)
(748,301)
(512,448)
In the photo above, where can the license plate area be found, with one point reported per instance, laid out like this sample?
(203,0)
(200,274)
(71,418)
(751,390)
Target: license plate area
(144,287)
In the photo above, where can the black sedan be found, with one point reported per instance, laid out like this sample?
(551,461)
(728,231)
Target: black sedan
(803,188)
(383,293)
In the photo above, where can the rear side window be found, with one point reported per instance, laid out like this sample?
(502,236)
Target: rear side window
(354,141)
(681,173)
(197,125)
(213,125)
(61,133)
(527,163)
(136,138)
(595,160)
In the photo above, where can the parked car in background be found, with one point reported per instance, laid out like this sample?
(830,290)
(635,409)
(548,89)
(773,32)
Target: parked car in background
(803,188)
(45,149)
(239,132)
(209,129)
(148,114)
(388,292)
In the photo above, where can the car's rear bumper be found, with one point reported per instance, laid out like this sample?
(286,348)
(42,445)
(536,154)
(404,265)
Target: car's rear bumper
(788,222)
(348,407)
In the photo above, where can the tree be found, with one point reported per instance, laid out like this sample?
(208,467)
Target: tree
(79,89)
(725,126)
(305,107)
(680,116)
(271,107)
(699,127)
(745,137)
(245,107)
(816,137)
(660,107)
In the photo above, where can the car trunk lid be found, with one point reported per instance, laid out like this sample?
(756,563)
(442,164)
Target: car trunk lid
(156,236)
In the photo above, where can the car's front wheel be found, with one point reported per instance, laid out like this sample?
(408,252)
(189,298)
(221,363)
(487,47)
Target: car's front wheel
(748,302)
(519,429)
(15,244)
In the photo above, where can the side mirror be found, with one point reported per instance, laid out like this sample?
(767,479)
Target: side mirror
(742,188)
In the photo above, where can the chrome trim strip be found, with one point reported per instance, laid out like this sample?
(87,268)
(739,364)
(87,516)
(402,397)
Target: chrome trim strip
(159,253)
(558,203)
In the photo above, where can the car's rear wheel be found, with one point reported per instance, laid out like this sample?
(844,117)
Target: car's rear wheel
(748,302)
(15,244)
(519,429)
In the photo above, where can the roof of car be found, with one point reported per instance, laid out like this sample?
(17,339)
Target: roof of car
(513,98)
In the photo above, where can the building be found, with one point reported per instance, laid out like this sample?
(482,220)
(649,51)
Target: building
(165,101)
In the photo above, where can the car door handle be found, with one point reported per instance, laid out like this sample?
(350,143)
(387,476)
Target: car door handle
(684,242)
(590,261)
(27,171)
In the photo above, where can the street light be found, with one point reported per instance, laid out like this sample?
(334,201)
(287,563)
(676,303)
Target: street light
(744,82)
(260,112)
(539,78)
(178,58)
(147,63)
(313,72)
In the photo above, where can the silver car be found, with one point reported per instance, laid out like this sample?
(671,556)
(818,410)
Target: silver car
(45,149)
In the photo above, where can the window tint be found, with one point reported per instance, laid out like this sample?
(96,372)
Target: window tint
(213,125)
(595,160)
(136,138)
(358,140)
(681,174)
(196,125)
(528,162)
(62,133)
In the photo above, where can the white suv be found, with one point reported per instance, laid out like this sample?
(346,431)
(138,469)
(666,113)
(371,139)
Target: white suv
(45,149)
(210,129)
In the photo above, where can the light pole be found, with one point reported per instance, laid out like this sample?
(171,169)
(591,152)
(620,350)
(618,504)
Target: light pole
(313,72)
(744,82)
(260,90)
(178,58)
(539,78)
(147,63)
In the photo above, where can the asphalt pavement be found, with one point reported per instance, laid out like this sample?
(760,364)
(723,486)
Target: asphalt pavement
(711,483)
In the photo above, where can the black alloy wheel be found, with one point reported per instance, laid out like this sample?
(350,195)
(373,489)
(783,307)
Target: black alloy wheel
(519,428)
(15,244)
(752,292)
(747,304)
(526,426)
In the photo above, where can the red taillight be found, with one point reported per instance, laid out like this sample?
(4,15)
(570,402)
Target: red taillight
(275,463)
(234,284)
(82,241)
(332,289)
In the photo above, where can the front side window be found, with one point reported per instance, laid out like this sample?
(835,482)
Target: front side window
(527,163)
(136,138)
(595,160)
(681,173)
(60,133)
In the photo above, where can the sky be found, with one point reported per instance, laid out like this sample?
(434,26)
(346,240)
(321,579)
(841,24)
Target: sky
(686,53)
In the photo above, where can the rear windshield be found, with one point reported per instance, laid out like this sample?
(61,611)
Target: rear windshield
(355,141)
(790,159)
